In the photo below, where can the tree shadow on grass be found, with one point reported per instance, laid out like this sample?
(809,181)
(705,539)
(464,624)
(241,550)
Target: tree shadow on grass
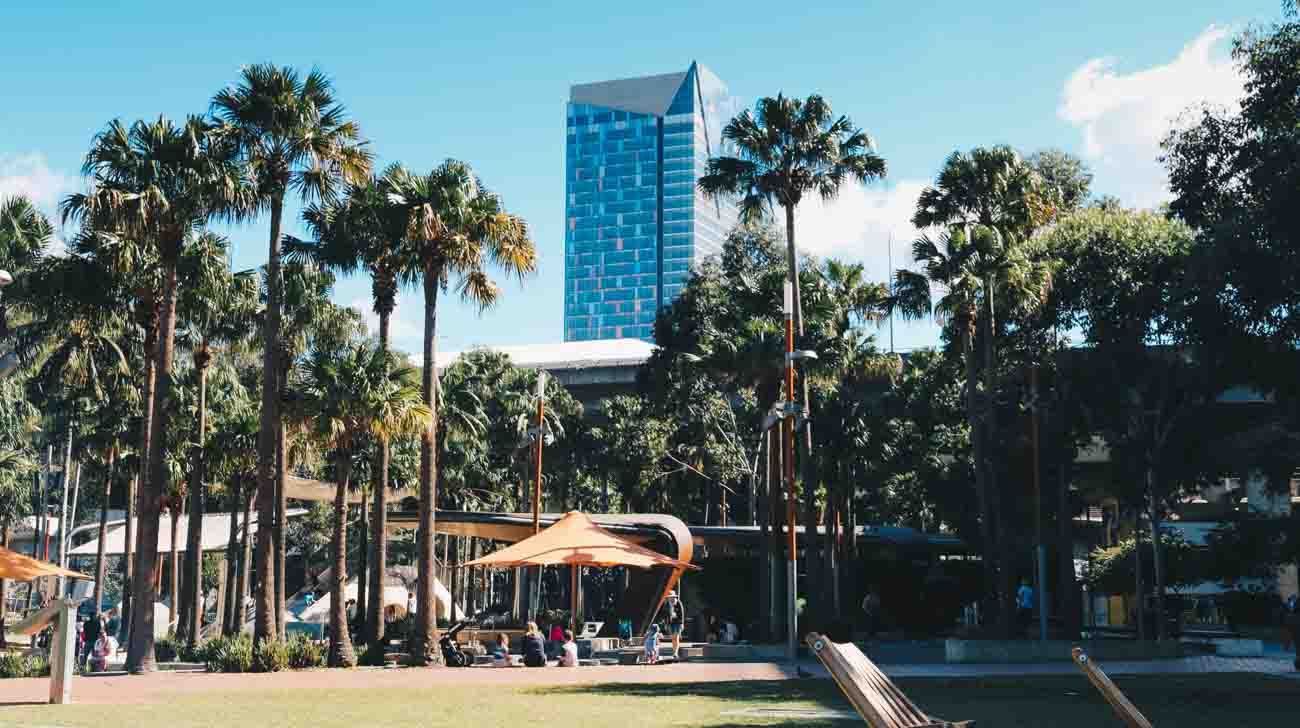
(754,692)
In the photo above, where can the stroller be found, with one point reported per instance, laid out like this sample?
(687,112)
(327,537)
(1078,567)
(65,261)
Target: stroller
(452,654)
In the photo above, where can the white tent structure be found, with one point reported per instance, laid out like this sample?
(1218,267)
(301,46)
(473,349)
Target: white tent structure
(395,594)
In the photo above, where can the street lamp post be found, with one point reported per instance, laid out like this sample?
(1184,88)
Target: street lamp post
(1040,551)
(789,423)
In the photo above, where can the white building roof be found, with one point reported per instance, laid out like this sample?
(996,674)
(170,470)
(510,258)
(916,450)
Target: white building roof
(216,534)
(568,354)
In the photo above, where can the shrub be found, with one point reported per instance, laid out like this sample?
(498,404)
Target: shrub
(304,653)
(13,664)
(229,654)
(166,649)
(271,656)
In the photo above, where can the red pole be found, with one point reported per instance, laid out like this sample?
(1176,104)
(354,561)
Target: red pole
(537,479)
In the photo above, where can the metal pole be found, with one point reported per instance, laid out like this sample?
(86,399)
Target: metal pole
(792,572)
(1040,573)
(536,592)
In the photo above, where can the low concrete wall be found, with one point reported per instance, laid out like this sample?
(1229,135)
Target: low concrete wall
(1019,651)
(1232,646)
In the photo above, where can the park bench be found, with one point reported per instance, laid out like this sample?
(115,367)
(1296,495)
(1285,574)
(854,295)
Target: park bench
(876,698)
(1124,708)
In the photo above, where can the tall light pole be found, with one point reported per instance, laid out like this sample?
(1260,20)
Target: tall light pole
(789,423)
(539,441)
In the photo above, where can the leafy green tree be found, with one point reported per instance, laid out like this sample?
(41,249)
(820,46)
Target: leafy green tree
(293,136)
(348,395)
(456,227)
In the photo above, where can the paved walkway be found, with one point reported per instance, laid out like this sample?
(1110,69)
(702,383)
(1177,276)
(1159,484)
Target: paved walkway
(164,686)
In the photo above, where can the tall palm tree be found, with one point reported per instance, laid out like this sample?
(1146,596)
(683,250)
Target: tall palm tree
(347,396)
(364,232)
(156,181)
(786,149)
(454,226)
(215,311)
(294,136)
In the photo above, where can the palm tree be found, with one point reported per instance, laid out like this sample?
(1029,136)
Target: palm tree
(786,149)
(454,226)
(155,182)
(24,235)
(293,136)
(978,268)
(364,232)
(216,311)
(347,396)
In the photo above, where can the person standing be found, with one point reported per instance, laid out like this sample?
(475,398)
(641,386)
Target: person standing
(676,622)
(1025,604)
(871,613)
(1291,624)
(94,627)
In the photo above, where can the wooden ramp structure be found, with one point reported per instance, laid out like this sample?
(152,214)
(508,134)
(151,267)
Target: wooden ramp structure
(876,698)
(1124,708)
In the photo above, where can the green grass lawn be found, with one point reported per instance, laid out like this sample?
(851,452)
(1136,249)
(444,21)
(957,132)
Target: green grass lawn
(1064,702)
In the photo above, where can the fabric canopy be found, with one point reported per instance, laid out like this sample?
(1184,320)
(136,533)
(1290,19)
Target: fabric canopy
(14,565)
(574,539)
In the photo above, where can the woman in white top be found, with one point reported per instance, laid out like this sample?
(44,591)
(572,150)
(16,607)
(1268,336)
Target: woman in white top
(569,656)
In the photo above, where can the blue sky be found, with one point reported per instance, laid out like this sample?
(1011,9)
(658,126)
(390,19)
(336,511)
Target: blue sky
(486,82)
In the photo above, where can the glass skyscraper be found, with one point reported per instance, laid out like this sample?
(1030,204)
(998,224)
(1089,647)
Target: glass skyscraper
(634,220)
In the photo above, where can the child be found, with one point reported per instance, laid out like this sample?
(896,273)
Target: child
(652,645)
(569,652)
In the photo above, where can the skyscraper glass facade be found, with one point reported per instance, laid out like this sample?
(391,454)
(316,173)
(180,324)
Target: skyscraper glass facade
(634,221)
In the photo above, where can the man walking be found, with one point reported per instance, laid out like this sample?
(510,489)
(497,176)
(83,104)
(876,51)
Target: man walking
(91,633)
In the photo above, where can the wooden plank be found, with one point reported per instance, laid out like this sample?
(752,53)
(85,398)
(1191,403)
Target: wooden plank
(37,621)
(876,698)
(1113,695)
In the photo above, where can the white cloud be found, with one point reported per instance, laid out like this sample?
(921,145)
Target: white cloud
(1123,116)
(402,331)
(30,175)
(857,225)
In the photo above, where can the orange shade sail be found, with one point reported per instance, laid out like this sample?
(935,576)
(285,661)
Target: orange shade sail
(574,539)
(14,565)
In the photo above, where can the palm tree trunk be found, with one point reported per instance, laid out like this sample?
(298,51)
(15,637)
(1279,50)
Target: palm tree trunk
(281,510)
(193,592)
(379,518)
(232,556)
(173,573)
(246,561)
(128,563)
(425,650)
(363,576)
(4,588)
(1006,565)
(1067,588)
(973,414)
(103,532)
(341,653)
(264,627)
(140,657)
